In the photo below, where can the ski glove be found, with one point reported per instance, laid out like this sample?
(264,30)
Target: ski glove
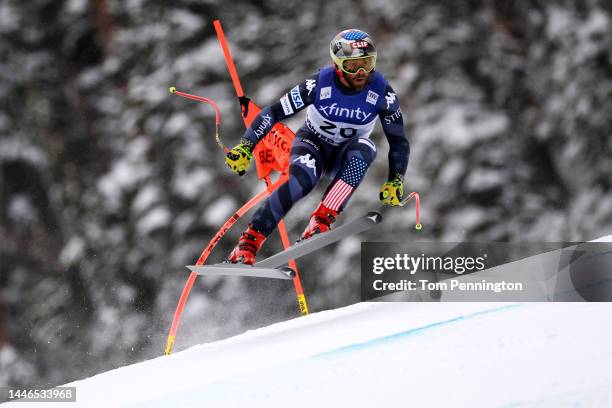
(392,191)
(239,158)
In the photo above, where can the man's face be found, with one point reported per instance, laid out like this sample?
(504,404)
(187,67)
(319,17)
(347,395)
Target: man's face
(357,81)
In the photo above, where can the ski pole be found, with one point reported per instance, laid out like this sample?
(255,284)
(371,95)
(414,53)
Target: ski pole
(212,103)
(417,205)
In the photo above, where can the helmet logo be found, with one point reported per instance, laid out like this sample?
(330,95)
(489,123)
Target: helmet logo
(359,44)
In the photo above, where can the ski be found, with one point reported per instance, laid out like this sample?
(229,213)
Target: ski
(319,241)
(271,267)
(229,269)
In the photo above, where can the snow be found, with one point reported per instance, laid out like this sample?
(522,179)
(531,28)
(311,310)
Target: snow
(72,251)
(384,354)
(126,173)
(187,23)
(9,18)
(559,23)
(158,217)
(135,6)
(218,212)
(20,209)
(177,124)
(277,87)
(484,179)
(340,262)
(17,148)
(483,87)
(567,27)
(208,56)
(146,197)
(407,75)
(460,220)
(596,24)
(458,126)
(92,77)
(451,172)
(191,184)
(17,367)
(152,89)
(76,6)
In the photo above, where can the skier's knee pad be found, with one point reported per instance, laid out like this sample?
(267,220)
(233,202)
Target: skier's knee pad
(361,148)
(365,150)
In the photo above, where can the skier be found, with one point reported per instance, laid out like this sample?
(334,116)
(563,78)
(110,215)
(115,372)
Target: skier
(343,101)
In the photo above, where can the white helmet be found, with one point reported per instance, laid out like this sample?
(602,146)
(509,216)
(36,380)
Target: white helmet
(351,45)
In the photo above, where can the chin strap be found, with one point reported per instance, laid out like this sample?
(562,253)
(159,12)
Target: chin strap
(338,71)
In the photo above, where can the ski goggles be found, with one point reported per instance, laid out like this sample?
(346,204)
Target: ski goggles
(354,65)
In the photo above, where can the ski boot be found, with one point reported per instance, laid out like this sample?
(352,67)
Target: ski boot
(321,221)
(248,245)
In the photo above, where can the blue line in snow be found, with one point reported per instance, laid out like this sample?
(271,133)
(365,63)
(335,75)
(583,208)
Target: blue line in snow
(416,330)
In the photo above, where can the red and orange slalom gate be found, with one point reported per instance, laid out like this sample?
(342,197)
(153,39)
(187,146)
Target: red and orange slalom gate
(297,284)
(275,145)
(209,248)
(269,156)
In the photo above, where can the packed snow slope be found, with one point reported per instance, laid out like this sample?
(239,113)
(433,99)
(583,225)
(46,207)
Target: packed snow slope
(385,354)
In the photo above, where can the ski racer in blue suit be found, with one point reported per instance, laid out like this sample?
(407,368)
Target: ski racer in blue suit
(342,102)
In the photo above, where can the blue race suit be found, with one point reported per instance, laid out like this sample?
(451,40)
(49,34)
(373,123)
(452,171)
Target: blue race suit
(334,140)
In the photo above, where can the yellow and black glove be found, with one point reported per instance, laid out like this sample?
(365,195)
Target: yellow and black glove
(239,158)
(392,191)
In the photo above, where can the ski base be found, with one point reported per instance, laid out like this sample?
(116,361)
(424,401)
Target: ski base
(228,269)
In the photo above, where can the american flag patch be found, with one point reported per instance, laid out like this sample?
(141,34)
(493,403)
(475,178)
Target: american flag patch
(343,187)
(337,195)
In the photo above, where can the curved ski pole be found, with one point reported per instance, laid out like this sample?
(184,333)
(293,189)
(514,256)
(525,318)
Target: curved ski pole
(173,90)
(209,248)
(417,201)
(297,283)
